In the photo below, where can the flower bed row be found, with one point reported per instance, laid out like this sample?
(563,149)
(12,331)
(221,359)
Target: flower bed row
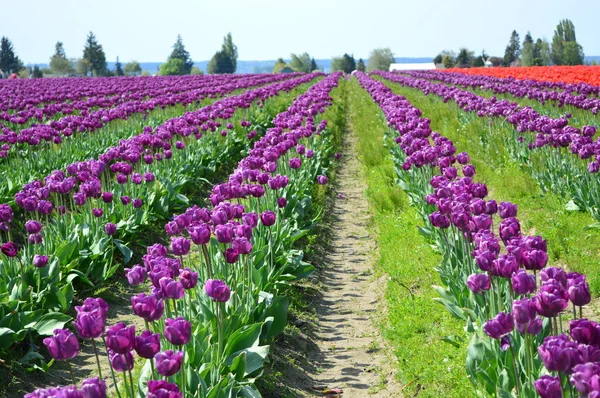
(583,79)
(555,139)
(497,282)
(215,299)
(80,218)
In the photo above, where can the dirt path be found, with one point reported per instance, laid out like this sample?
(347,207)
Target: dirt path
(348,350)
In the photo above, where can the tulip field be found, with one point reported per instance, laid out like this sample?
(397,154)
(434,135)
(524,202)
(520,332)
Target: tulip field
(201,193)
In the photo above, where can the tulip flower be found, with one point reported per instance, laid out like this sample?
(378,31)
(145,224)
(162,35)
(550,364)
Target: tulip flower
(150,308)
(217,290)
(110,229)
(163,389)
(267,218)
(478,283)
(93,388)
(136,275)
(168,362)
(40,261)
(120,338)
(178,331)
(499,326)
(549,387)
(121,362)
(62,345)
(147,344)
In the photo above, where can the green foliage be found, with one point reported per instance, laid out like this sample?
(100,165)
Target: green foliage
(565,49)
(230,50)
(132,68)
(416,325)
(464,58)
(196,71)
(145,73)
(313,65)
(82,66)
(380,59)
(94,54)
(528,52)
(36,73)
(279,65)
(59,64)
(344,63)
(438,59)
(361,65)
(479,61)
(448,61)
(220,63)
(173,67)
(118,69)
(9,62)
(513,50)
(541,53)
(301,62)
(179,52)
(59,50)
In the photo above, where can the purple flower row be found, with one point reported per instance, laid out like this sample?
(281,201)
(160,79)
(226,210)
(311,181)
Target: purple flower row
(508,259)
(549,132)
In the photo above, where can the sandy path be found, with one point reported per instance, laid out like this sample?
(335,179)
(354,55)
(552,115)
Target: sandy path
(348,351)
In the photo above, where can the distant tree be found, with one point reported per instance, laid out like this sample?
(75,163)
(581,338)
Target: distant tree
(132,68)
(9,62)
(496,61)
(438,59)
(565,49)
(36,73)
(313,65)
(345,63)
(448,61)
(479,61)
(301,62)
(196,71)
(361,65)
(59,64)
(179,52)
(145,73)
(173,67)
(279,65)
(118,69)
(380,59)
(230,50)
(464,58)
(513,50)
(83,66)
(220,63)
(528,51)
(94,54)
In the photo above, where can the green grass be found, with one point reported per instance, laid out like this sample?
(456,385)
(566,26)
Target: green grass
(570,245)
(427,365)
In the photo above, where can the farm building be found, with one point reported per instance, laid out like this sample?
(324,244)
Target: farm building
(416,66)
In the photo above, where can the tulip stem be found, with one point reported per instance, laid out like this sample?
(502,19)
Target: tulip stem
(514,361)
(125,383)
(97,358)
(581,311)
(131,383)
(183,371)
(175,308)
(112,372)
(71,371)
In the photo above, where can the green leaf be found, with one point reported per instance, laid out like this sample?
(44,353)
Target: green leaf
(456,341)
(7,337)
(245,337)
(255,357)
(145,375)
(277,310)
(127,252)
(50,321)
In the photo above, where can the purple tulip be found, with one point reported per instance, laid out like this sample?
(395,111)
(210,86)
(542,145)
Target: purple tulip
(579,292)
(125,200)
(549,387)
(505,265)
(224,233)
(321,179)
(439,220)
(532,327)
(180,246)
(499,326)
(188,278)
(178,331)
(267,218)
(93,388)
(250,219)
(107,197)
(110,229)
(507,209)
(150,308)
(136,275)
(40,261)
(35,239)
(534,259)
(295,163)
(163,389)
(171,288)
(168,362)
(478,283)
(558,353)
(485,260)
(120,338)
(551,299)
(137,203)
(121,362)
(33,227)
(242,245)
(62,345)
(147,344)
(524,310)
(90,325)
(585,331)
(199,234)
(281,202)
(217,290)
(97,212)
(523,283)
(586,379)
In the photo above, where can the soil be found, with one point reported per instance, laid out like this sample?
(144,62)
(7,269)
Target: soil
(343,349)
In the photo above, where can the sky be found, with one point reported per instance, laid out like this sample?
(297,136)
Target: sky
(268,29)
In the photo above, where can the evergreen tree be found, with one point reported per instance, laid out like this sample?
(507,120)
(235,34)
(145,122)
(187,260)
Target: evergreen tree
(59,64)
(565,49)
(279,65)
(118,68)
(94,54)
(464,58)
(36,73)
(528,52)
(220,63)
(438,59)
(230,50)
(478,62)
(345,63)
(59,50)
(361,65)
(313,65)
(9,62)
(513,50)
(179,52)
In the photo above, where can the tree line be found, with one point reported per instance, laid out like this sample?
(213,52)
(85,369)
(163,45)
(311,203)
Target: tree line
(379,59)
(93,61)
(563,50)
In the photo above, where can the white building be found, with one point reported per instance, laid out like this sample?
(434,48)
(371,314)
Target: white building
(419,66)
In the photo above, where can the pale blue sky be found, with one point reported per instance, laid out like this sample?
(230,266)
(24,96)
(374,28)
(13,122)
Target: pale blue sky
(268,29)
